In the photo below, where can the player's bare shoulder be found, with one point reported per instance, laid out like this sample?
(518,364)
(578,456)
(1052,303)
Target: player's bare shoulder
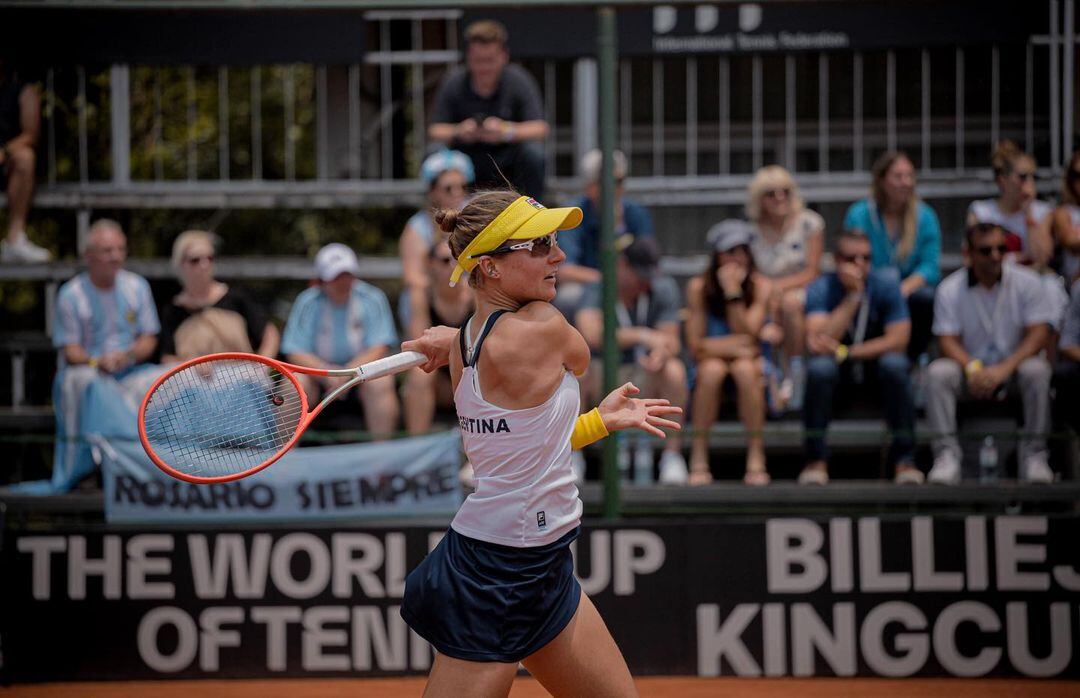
(536,329)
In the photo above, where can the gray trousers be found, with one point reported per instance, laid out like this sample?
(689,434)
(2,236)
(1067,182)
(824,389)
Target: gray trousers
(945,384)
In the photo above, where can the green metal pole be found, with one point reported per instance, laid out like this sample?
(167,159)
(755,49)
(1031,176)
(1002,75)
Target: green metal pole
(606,52)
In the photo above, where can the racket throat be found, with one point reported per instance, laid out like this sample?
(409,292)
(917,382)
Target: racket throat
(357,378)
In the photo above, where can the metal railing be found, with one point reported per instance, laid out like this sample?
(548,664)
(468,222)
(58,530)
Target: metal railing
(318,135)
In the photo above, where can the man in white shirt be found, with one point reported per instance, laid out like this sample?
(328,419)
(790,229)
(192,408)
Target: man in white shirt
(991,321)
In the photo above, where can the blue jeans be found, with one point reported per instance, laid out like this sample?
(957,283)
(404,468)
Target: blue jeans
(892,376)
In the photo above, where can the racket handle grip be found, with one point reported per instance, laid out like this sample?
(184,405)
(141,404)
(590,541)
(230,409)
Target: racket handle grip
(390,365)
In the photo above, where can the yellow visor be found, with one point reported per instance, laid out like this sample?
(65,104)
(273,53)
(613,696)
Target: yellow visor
(525,219)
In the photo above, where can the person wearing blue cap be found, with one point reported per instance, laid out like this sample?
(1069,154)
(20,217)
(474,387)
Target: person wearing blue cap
(447,174)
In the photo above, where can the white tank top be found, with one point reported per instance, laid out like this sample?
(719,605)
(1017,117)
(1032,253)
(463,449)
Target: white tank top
(988,211)
(525,493)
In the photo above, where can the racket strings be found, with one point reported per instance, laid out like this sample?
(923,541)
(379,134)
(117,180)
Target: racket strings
(222,417)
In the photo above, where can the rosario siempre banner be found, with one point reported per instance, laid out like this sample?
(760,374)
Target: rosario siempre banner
(406,476)
(920,596)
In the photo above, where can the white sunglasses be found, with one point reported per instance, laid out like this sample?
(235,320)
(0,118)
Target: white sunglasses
(539,247)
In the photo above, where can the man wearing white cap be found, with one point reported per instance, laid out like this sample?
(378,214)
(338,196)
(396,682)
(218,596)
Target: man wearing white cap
(344,322)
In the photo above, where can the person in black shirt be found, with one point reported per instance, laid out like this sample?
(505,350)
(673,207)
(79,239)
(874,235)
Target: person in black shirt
(20,116)
(209,316)
(492,111)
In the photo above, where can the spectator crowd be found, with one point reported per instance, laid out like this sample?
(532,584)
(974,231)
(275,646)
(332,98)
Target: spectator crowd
(776,321)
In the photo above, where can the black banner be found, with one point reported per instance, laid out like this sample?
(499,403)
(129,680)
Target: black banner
(972,596)
(48,37)
(769,27)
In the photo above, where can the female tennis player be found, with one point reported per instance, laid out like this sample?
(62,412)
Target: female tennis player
(500,588)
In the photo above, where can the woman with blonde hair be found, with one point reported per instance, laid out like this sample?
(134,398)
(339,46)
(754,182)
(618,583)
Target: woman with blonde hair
(209,316)
(787,246)
(905,236)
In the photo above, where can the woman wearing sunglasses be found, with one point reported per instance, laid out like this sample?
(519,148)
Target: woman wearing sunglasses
(787,246)
(440,304)
(1066,222)
(210,316)
(447,174)
(1025,219)
(513,368)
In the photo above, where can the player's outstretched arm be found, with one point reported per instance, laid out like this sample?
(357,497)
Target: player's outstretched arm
(620,410)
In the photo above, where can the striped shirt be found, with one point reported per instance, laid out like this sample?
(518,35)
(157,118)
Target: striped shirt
(104,320)
(337,333)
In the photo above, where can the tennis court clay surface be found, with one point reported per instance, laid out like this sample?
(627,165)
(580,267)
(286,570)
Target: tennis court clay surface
(650,687)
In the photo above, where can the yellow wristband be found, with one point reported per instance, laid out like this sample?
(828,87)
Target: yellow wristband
(973,366)
(588,428)
(92,362)
(842,352)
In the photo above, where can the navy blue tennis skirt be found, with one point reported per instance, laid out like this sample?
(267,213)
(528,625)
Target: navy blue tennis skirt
(484,602)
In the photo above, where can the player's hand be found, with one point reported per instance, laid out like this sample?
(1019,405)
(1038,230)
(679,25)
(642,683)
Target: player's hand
(620,411)
(434,343)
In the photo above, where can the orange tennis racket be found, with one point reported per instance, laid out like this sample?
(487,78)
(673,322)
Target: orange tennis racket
(222,417)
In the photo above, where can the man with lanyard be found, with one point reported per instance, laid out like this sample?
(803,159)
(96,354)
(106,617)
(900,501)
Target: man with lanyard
(105,327)
(857,330)
(648,335)
(991,320)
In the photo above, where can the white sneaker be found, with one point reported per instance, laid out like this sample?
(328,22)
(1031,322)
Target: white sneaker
(22,250)
(673,470)
(577,464)
(1037,470)
(813,476)
(946,470)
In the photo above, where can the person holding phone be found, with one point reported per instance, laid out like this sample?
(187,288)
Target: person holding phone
(491,110)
